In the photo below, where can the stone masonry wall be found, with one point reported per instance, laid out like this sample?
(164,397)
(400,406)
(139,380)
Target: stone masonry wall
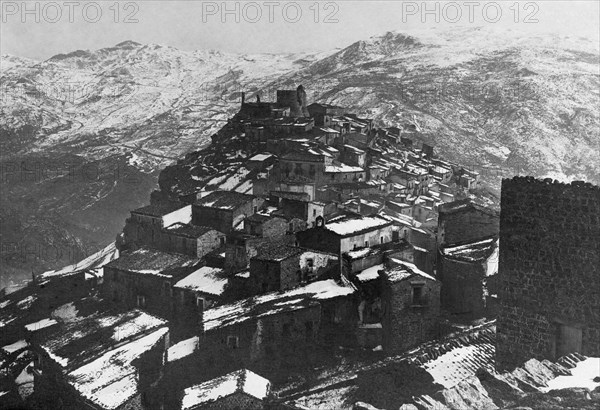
(548,270)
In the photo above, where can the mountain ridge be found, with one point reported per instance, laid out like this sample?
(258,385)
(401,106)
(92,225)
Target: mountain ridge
(133,109)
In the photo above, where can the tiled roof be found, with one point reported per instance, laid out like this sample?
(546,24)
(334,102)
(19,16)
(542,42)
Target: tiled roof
(243,381)
(356,225)
(159,210)
(188,230)
(274,303)
(303,156)
(464,205)
(76,342)
(471,252)
(152,262)
(224,200)
(206,279)
(277,252)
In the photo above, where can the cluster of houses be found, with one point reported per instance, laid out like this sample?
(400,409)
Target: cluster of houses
(348,236)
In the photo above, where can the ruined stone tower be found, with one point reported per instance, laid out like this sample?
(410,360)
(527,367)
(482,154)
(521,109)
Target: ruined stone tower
(295,99)
(548,270)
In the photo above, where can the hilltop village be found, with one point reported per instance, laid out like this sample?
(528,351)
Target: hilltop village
(305,259)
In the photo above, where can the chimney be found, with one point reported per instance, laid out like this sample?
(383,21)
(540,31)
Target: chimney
(243,97)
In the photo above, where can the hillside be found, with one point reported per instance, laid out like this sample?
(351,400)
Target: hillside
(85,134)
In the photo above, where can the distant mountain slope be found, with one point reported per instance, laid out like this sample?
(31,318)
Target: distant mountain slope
(524,105)
(84,134)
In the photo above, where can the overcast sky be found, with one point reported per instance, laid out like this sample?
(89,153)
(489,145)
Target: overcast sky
(266,26)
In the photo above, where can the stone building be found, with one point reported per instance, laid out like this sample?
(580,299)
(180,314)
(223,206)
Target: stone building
(323,113)
(224,210)
(144,226)
(282,267)
(103,361)
(277,327)
(354,156)
(242,389)
(266,226)
(411,306)
(346,234)
(295,99)
(464,221)
(549,284)
(464,271)
(194,241)
(144,278)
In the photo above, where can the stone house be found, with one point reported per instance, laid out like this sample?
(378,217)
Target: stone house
(340,172)
(103,361)
(144,226)
(194,241)
(266,226)
(144,279)
(548,271)
(323,113)
(468,179)
(240,248)
(443,173)
(282,267)
(307,211)
(411,306)
(464,221)
(464,271)
(255,133)
(278,327)
(347,233)
(224,210)
(301,166)
(354,156)
(203,288)
(260,161)
(327,136)
(242,389)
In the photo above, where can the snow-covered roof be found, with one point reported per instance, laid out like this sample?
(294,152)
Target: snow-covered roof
(243,381)
(153,262)
(360,253)
(41,324)
(274,303)
(81,340)
(356,225)
(112,379)
(225,200)
(159,210)
(342,168)
(370,273)
(206,280)
(471,252)
(98,259)
(183,349)
(13,347)
(405,270)
(329,130)
(354,149)
(261,157)
(188,230)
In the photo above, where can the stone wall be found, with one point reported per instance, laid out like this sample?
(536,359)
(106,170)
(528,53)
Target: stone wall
(548,271)
(463,286)
(463,223)
(406,325)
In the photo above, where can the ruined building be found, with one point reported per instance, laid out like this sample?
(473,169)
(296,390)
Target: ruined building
(549,284)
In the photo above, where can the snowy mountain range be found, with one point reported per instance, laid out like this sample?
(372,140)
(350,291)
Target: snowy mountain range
(85,134)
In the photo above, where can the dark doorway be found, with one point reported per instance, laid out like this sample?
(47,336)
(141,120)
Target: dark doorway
(568,340)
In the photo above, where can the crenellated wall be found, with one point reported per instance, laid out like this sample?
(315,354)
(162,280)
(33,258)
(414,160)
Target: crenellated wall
(549,270)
